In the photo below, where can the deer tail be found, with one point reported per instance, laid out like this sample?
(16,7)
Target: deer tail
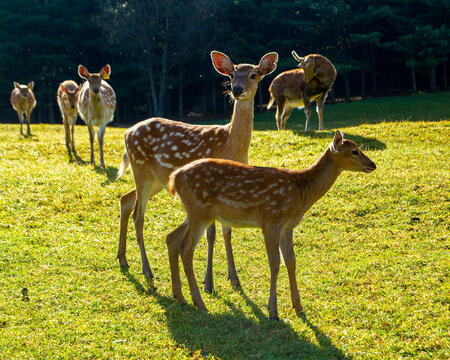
(124,166)
(272,99)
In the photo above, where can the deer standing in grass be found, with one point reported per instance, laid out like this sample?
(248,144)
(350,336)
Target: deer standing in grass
(240,195)
(67,97)
(299,87)
(155,147)
(23,101)
(96,105)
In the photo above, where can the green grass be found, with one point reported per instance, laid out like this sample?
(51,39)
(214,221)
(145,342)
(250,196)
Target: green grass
(372,254)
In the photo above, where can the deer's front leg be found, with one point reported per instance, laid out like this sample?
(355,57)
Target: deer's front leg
(101,134)
(91,140)
(210,238)
(232,274)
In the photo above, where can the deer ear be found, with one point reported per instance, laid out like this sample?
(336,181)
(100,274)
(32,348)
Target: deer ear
(296,57)
(222,63)
(16,85)
(31,85)
(83,72)
(268,63)
(105,72)
(336,144)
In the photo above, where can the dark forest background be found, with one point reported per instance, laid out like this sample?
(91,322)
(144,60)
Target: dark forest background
(159,50)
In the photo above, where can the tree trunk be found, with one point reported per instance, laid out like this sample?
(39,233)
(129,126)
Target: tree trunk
(204,96)
(413,79)
(373,70)
(445,75)
(347,87)
(213,95)
(180,92)
(433,78)
(363,84)
(51,111)
(163,77)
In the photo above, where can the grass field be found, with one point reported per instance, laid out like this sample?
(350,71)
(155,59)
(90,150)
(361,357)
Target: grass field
(372,254)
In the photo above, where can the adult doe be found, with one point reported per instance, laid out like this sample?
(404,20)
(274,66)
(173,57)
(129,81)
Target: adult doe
(299,87)
(96,105)
(23,101)
(240,195)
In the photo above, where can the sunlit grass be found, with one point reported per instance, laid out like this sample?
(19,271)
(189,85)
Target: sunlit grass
(372,255)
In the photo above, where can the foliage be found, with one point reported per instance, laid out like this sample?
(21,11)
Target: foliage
(372,254)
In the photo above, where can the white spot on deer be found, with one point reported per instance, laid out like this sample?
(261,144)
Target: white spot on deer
(208,151)
(156,148)
(197,176)
(171,133)
(162,163)
(205,193)
(174,147)
(177,155)
(164,137)
(147,127)
(197,185)
(136,133)
(179,134)
(136,142)
(157,125)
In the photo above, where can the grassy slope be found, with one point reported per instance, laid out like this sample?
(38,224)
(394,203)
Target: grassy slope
(373,281)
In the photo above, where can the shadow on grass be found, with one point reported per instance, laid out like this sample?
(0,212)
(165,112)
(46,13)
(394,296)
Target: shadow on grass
(233,335)
(110,172)
(75,158)
(366,143)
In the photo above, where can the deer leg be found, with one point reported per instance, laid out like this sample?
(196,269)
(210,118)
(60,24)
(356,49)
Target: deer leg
(66,131)
(91,140)
(319,108)
(101,134)
(173,241)
(127,204)
(72,129)
(210,238)
(280,110)
(287,250)
(186,249)
(287,112)
(20,115)
(272,240)
(28,123)
(232,275)
(307,103)
(144,189)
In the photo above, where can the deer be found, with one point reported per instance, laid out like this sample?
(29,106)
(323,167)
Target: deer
(240,195)
(67,98)
(96,105)
(23,101)
(156,146)
(299,87)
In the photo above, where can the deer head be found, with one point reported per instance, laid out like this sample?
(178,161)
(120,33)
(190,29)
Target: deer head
(72,95)
(244,76)
(348,156)
(24,88)
(94,80)
(306,63)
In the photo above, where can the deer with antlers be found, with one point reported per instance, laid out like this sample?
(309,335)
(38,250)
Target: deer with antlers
(67,98)
(155,147)
(240,195)
(96,105)
(23,101)
(299,87)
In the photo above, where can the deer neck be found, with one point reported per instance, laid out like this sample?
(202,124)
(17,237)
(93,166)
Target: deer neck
(240,129)
(315,181)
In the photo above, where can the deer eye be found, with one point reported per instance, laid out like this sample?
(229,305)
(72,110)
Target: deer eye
(253,76)
(355,152)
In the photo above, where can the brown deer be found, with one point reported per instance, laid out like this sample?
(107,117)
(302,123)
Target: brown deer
(299,87)
(67,97)
(155,147)
(241,195)
(23,101)
(96,105)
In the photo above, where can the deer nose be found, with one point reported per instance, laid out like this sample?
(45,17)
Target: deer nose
(73,106)
(237,90)
(95,90)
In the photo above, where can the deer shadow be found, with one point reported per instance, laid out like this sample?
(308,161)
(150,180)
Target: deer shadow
(234,335)
(110,172)
(366,143)
(74,157)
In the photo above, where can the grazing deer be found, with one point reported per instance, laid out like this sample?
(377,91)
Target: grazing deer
(299,87)
(96,105)
(155,147)
(241,195)
(23,101)
(67,97)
